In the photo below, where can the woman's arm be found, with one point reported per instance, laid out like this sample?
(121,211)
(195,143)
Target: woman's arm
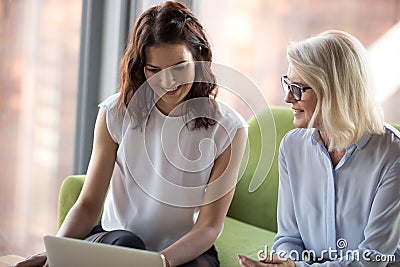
(212,215)
(382,233)
(83,215)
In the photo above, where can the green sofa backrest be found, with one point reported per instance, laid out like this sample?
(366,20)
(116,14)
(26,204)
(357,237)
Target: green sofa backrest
(265,133)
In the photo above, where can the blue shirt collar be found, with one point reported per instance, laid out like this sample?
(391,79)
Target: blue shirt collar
(316,138)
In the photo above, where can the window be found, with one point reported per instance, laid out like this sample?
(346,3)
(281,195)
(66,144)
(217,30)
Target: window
(251,37)
(39,53)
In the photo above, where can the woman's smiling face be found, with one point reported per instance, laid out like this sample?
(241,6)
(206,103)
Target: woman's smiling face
(170,72)
(304,108)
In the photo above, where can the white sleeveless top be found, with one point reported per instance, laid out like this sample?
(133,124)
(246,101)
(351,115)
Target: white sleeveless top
(161,172)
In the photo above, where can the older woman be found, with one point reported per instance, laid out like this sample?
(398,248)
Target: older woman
(339,192)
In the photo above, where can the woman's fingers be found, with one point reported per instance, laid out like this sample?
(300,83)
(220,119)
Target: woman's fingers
(247,262)
(33,261)
(274,258)
(270,260)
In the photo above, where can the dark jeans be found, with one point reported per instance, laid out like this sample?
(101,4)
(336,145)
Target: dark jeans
(128,239)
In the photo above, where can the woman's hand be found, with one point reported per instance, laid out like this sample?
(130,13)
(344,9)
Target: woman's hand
(34,261)
(275,260)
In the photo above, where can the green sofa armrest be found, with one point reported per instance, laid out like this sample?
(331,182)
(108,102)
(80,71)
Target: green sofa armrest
(69,192)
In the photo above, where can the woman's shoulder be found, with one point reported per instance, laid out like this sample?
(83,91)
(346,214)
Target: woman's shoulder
(392,131)
(114,116)
(298,134)
(110,102)
(389,139)
(298,137)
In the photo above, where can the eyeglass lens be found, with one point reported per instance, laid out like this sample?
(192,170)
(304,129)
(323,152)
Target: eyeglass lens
(293,88)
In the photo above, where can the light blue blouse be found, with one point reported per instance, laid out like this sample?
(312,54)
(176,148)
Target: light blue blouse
(344,215)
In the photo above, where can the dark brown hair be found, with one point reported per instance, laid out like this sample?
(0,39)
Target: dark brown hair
(167,23)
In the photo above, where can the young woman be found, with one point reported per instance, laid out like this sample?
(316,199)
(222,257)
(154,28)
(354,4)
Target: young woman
(168,152)
(339,197)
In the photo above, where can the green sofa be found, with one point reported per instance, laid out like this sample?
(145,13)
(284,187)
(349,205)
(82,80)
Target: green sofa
(251,222)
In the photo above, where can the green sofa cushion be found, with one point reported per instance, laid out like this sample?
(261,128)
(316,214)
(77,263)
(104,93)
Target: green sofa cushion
(243,238)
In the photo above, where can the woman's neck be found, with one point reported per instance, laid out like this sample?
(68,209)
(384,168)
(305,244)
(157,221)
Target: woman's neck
(325,139)
(335,155)
(170,110)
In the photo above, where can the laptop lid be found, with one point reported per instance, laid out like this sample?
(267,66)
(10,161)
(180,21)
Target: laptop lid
(67,252)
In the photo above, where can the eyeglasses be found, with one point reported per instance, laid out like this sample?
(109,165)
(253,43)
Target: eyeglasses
(295,89)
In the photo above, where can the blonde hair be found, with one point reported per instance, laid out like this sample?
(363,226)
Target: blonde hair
(334,64)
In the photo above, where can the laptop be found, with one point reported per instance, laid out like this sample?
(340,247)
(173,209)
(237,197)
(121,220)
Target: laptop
(67,252)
